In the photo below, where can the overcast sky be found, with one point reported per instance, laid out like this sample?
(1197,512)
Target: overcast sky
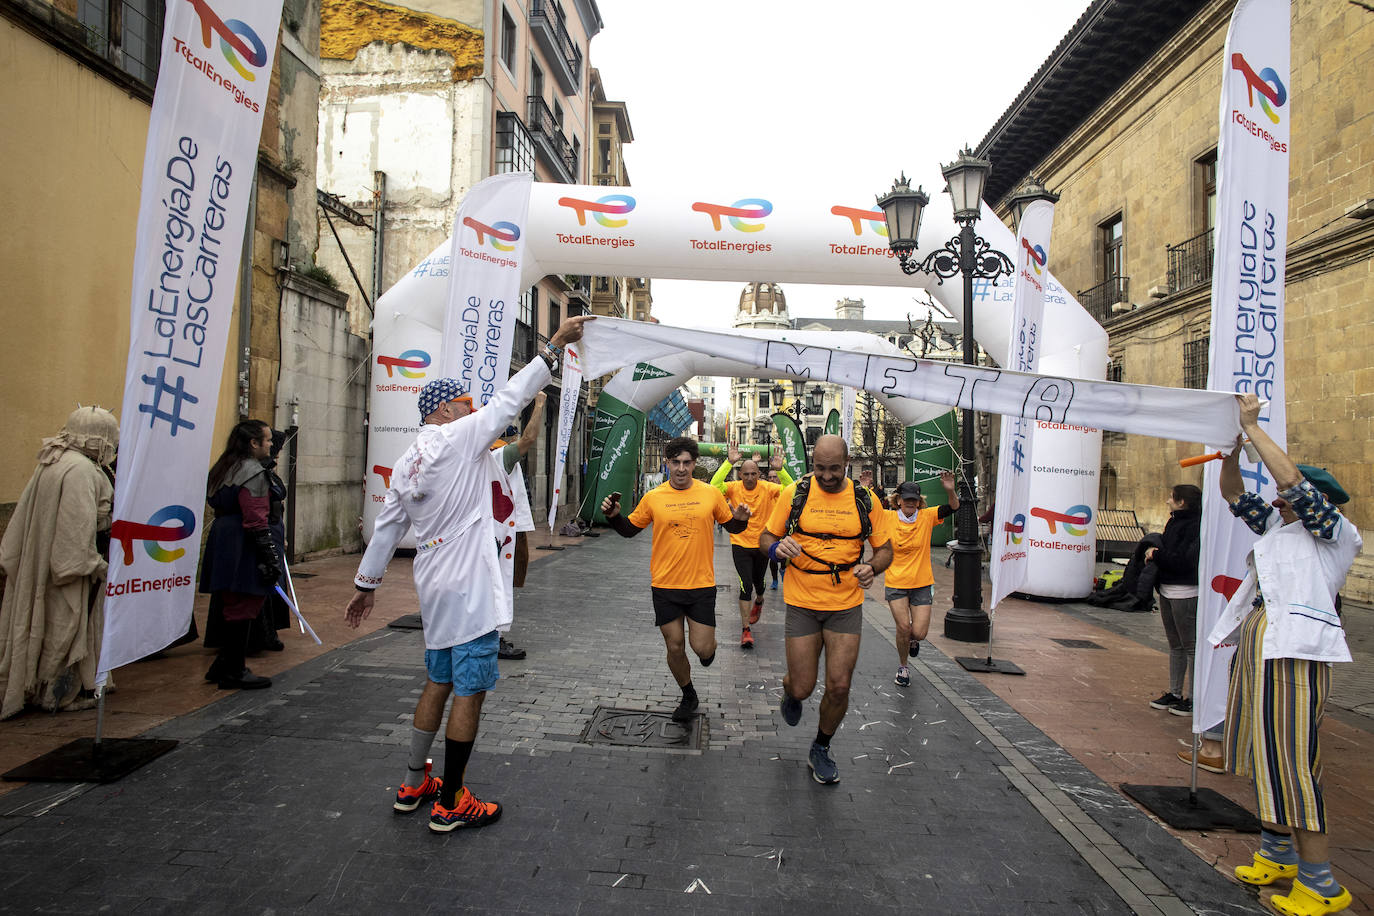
(772,95)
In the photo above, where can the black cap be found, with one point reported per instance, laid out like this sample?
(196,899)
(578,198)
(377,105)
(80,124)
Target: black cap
(909,489)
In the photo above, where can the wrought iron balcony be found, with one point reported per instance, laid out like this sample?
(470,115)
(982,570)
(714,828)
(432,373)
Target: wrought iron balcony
(524,345)
(1190,262)
(1107,300)
(549,140)
(551,31)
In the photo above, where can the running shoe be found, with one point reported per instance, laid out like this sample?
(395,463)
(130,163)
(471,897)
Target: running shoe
(774,586)
(823,768)
(408,798)
(686,709)
(1166,701)
(1182,708)
(913,648)
(903,678)
(757,611)
(508,651)
(791,709)
(746,639)
(468,811)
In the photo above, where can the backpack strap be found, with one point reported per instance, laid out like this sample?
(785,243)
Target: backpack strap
(863,504)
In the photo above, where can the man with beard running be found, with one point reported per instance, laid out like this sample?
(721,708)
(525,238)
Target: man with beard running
(819,525)
(750,563)
(682,571)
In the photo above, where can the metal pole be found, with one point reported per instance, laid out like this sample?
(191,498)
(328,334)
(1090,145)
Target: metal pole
(967,621)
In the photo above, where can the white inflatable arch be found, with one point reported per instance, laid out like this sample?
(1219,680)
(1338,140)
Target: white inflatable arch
(669,233)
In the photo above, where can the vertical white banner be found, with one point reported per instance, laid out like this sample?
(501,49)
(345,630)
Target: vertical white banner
(484,283)
(198,169)
(848,400)
(567,415)
(1247,302)
(1012,502)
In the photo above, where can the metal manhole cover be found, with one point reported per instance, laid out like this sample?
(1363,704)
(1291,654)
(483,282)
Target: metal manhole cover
(1078,643)
(637,728)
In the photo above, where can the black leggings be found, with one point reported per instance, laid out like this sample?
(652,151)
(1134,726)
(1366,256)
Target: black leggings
(749,564)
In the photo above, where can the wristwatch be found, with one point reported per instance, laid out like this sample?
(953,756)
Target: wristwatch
(553,356)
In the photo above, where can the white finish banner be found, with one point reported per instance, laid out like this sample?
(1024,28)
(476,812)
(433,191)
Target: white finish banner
(1187,414)
(1248,271)
(567,414)
(484,284)
(848,401)
(197,177)
(1010,557)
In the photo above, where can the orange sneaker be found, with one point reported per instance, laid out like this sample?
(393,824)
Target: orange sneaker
(408,798)
(757,611)
(746,639)
(468,811)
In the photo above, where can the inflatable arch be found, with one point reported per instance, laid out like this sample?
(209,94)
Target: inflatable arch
(669,233)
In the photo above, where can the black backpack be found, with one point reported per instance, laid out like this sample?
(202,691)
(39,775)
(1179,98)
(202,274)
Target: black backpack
(863,503)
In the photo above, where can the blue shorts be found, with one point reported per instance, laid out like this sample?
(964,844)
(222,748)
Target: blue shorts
(916,596)
(470,667)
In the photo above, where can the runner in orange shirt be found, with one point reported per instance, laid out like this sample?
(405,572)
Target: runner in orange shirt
(682,571)
(824,587)
(750,563)
(907,586)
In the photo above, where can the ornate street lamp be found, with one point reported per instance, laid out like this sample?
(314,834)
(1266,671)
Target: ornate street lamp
(1026,193)
(969,255)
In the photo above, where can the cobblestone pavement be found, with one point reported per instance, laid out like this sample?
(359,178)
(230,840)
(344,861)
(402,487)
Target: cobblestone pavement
(279,800)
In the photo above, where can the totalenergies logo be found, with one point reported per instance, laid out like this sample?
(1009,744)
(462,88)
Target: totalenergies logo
(383,472)
(602,209)
(237,40)
(737,213)
(1035,255)
(154,532)
(1266,82)
(497,233)
(408,363)
(857,217)
(1075,520)
(1015,529)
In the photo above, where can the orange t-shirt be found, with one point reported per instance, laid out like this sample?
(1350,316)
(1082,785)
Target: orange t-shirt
(911,548)
(683,553)
(760,502)
(825,513)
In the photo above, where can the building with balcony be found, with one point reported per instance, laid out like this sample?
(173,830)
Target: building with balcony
(419,103)
(1122,121)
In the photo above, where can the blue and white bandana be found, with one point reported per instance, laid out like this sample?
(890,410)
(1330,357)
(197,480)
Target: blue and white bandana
(438,392)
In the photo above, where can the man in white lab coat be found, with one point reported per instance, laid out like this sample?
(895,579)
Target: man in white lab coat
(445,486)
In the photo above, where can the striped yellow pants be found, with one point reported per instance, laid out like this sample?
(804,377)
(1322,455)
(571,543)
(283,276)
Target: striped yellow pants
(1273,711)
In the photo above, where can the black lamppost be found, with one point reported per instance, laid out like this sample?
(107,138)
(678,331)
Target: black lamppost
(967,254)
(763,434)
(797,409)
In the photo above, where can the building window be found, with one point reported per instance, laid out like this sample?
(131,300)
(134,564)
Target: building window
(558,114)
(1195,362)
(1115,369)
(763,400)
(1106,488)
(514,148)
(743,400)
(812,434)
(742,433)
(536,80)
(555,316)
(528,299)
(1206,169)
(603,284)
(1113,235)
(129,34)
(508,40)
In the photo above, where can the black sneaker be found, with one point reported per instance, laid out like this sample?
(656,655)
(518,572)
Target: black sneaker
(1182,708)
(686,709)
(508,650)
(791,709)
(1166,702)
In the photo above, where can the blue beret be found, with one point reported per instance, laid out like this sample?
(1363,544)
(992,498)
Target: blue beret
(438,392)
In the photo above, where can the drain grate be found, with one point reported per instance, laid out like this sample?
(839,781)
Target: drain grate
(1077,643)
(637,728)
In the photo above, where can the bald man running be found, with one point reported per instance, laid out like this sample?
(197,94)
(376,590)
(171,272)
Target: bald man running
(824,587)
(759,495)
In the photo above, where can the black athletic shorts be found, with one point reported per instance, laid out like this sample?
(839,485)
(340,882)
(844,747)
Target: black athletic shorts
(698,604)
(750,564)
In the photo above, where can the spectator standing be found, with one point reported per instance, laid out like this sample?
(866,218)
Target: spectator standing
(1176,561)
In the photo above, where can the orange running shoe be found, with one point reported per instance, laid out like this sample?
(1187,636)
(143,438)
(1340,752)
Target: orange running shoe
(468,811)
(757,611)
(746,639)
(408,798)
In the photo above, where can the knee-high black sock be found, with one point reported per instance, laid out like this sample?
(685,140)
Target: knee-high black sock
(456,754)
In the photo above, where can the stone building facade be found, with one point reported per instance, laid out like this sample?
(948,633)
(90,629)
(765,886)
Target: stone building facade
(1122,121)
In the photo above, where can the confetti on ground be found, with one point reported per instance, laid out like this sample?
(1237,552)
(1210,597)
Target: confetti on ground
(618,880)
(698,883)
(936,722)
(898,766)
